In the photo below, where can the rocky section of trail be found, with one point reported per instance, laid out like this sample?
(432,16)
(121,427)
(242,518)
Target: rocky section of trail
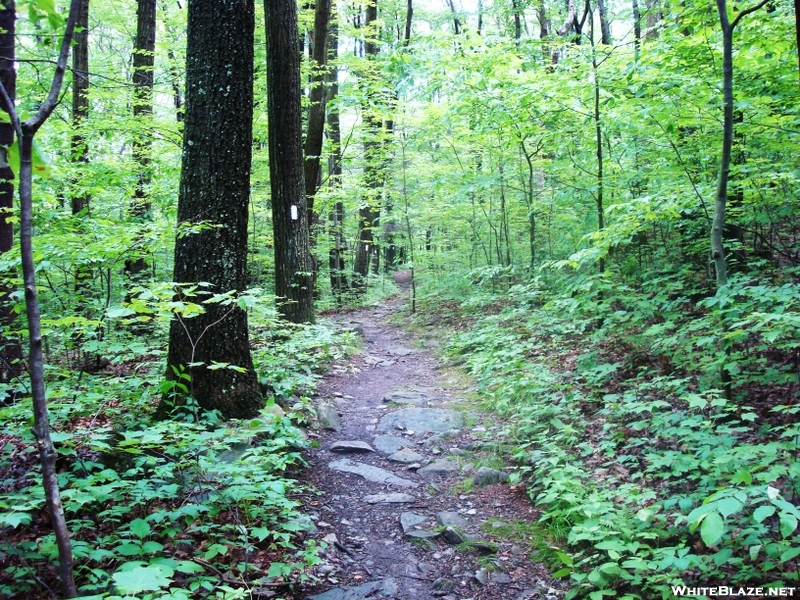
(402,507)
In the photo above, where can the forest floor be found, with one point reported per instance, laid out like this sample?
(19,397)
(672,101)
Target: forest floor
(412,502)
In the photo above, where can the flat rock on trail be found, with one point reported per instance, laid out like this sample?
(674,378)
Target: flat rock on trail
(401,529)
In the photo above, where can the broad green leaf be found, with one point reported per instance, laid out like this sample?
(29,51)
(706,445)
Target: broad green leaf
(712,528)
(140,528)
(143,579)
(790,554)
(762,512)
(788,524)
(728,506)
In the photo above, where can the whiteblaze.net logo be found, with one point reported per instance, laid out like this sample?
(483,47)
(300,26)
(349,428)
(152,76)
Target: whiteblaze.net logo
(727,591)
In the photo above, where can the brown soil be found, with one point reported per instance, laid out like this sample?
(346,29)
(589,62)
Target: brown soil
(369,543)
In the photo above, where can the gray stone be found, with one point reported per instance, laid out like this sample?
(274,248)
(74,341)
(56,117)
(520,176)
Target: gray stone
(351,446)
(400,351)
(409,519)
(385,588)
(389,443)
(407,397)
(394,498)
(370,473)
(443,437)
(422,534)
(452,536)
(487,476)
(502,578)
(499,524)
(328,417)
(406,456)
(448,518)
(467,467)
(482,575)
(444,585)
(422,419)
(439,468)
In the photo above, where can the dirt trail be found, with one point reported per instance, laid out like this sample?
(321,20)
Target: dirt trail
(411,531)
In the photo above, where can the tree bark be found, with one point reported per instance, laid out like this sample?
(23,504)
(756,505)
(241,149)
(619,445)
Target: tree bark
(336,263)
(143,63)
(317,96)
(370,210)
(11,366)
(293,276)
(214,191)
(80,102)
(605,26)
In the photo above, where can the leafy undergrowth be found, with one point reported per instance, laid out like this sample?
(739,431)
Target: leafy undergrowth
(183,508)
(648,476)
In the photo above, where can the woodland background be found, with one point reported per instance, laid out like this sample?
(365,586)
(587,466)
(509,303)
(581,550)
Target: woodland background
(549,175)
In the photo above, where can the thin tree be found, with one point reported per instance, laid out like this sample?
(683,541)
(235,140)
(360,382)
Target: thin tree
(213,199)
(143,64)
(336,264)
(25,132)
(80,108)
(723,177)
(370,210)
(293,276)
(10,348)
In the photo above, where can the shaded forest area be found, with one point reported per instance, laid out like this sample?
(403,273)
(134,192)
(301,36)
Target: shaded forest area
(597,205)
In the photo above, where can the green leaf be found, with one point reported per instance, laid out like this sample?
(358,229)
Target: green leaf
(140,528)
(712,528)
(15,519)
(790,554)
(728,506)
(215,550)
(788,524)
(762,512)
(129,549)
(143,579)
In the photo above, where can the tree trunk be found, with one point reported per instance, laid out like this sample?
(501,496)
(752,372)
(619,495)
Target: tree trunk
(80,157)
(293,276)
(336,254)
(214,191)
(11,366)
(317,96)
(652,19)
(369,212)
(605,26)
(80,102)
(721,201)
(598,133)
(637,28)
(143,63)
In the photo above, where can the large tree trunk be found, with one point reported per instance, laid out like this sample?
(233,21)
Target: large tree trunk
(293,277)
(11,366)
(214,190)
(143,63)
(317,96)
